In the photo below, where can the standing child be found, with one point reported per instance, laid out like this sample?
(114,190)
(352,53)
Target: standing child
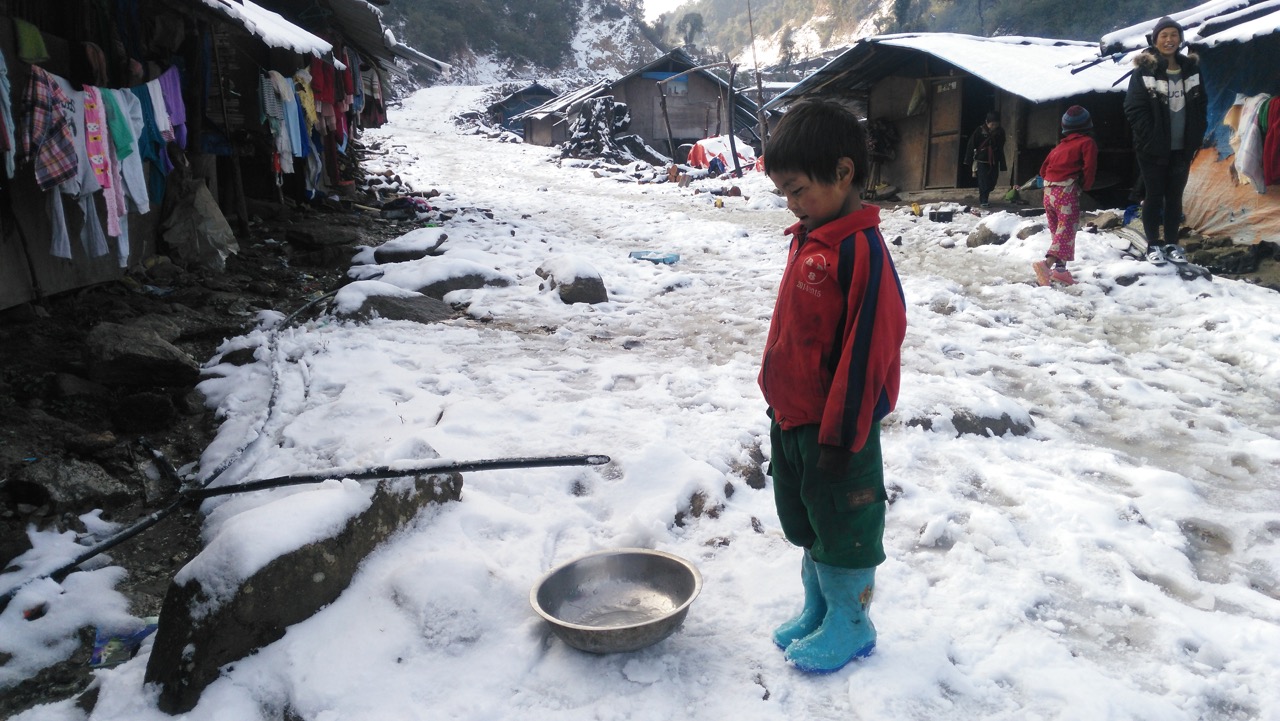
(1069,168)
(829,375)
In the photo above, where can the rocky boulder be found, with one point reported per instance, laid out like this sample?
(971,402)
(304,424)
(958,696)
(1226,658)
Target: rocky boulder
(575,279)
(213,615)
(120,355)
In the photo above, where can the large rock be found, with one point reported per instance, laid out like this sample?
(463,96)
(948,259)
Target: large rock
(576,280)
(983,235)
(419,309)
(204,625)
(137,356)
(414,245)
(458,274)
(366,299)
(74,485)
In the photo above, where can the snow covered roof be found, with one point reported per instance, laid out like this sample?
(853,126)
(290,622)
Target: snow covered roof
(565,103)
(359,21)
(1038,69)
(274,30)
(420,59)
(1207,25)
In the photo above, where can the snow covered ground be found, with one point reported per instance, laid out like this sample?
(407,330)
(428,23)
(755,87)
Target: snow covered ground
(1122,561)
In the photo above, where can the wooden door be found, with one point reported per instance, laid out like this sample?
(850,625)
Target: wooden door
(945,142)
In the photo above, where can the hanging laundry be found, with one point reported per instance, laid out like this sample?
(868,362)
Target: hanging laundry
(272,113)
(31,48)
(46,138)
(1271,146)
(100,153)
(151,146)
(6,115)
(135,182)
(357,86)
(86,183)
(1248,159)
(289,100)
(118,122)
(170,82)
(306,97)
(159,110)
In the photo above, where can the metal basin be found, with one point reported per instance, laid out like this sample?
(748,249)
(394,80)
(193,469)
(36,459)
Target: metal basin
(616,601)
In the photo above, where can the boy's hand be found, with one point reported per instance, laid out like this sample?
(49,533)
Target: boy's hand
(833,460)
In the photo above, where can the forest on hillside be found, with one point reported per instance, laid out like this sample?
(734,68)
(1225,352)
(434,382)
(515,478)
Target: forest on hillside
(540,32)
(726,24)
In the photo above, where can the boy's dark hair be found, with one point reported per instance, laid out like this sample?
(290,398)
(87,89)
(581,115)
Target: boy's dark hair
(812,136)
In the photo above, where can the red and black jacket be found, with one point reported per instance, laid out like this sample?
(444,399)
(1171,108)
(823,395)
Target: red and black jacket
(833,354)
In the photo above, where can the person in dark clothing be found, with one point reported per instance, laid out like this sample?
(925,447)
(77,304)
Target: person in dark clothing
(1166,106)
(985,155)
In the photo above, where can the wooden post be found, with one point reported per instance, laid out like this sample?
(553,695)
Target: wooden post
(733,145)
(666,120)
(662,96)
(242,209)
(761,116)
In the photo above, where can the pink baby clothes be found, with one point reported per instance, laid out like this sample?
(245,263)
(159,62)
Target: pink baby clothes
(97,141)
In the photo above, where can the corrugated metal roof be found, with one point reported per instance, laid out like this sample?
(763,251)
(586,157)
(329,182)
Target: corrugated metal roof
(1206,25)
(566,103)
(1038,69)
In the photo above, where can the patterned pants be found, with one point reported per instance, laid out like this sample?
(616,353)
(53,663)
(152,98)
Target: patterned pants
(1062,211)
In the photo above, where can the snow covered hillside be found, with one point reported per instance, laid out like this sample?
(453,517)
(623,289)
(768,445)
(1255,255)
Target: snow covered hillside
(1121,560)
(606,43)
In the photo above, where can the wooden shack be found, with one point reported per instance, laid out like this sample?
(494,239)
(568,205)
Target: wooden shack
(504,111)
(697,106)
(934,90)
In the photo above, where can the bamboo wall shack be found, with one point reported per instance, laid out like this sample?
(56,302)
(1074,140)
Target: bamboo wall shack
(935,89)
(699,104)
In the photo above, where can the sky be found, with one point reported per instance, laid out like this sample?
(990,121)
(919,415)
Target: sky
(1120,561)
(654,8)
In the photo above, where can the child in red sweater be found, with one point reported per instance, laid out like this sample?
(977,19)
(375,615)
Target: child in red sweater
(830,373)
(1070,168)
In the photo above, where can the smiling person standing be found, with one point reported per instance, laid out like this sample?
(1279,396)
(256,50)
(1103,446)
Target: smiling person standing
(1166,106)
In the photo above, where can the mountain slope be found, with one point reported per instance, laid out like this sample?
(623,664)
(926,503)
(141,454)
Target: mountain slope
(494,40)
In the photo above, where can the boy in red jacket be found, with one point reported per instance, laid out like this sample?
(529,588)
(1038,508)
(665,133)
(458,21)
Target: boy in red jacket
(1069,168)
(830,374)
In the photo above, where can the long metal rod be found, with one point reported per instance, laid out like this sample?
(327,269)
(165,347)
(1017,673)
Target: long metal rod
(196,494)
(389,472)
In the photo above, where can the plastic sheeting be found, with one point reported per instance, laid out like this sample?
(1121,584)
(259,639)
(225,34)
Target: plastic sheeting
(1217,205)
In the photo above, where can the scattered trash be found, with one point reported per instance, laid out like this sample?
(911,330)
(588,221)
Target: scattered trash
(654,256)
(941,216)
(115,646)
(915,210)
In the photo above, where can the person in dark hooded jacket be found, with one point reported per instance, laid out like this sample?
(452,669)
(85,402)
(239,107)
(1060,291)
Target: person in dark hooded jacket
(1167,110)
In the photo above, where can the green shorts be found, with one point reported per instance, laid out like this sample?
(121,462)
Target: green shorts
(840,519)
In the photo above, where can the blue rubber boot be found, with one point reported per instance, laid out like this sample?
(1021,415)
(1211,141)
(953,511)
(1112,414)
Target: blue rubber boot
(846,632)
(815,608)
